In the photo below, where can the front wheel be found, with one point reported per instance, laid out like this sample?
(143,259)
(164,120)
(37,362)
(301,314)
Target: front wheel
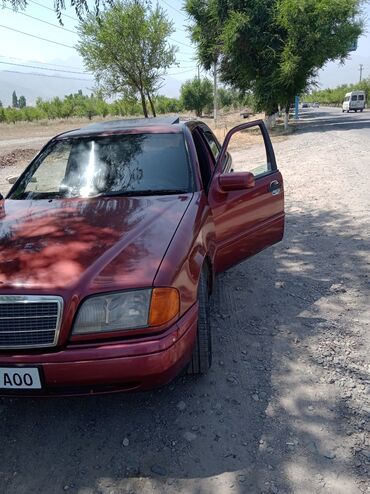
(202,354)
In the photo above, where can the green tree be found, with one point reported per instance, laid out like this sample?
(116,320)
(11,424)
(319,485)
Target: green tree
(22,102)
(12,115)
(1,104)
(127,49)
(315,32)
(273,47)
(14,100)
(232,98)
(335,96)
(168,105)
(196,95)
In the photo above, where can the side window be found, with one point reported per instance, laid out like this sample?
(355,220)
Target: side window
(204,157)
(213,144)
(249,153)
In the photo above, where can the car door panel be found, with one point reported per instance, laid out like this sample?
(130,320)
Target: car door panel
(247,221)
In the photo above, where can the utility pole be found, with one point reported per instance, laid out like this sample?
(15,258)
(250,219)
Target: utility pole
(361,69)
(215,94)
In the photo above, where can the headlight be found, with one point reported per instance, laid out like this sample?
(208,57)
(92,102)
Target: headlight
(127,310)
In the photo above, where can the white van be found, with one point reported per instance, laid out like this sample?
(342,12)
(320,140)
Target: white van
(355,100)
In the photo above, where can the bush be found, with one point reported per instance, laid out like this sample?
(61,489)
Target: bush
(336,95)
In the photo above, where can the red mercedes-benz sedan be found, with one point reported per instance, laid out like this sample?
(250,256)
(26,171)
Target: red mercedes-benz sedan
(109,245)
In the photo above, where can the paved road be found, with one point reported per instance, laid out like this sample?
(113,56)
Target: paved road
(285,408)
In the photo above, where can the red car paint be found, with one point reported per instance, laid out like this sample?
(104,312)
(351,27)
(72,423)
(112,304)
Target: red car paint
(78,247)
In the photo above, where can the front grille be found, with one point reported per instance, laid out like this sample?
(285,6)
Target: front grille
(29,321)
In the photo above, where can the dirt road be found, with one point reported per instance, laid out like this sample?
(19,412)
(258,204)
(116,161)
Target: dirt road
(286,405)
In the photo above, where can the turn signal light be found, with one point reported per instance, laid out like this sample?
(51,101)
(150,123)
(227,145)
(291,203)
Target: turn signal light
(164,306)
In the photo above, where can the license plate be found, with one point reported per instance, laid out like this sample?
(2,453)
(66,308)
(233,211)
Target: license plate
(12,378)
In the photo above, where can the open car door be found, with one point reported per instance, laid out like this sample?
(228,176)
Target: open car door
(246,195)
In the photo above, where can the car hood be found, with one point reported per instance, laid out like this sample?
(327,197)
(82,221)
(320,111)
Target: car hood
(94,244)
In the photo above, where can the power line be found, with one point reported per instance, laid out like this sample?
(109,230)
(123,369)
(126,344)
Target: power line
(41,20)
(191,69)
(37,37)
(77,78)
(41,63)
(77,68)
(65,71)
(43,68)
(180,42)
(183,72)
(182,30)
(68,30)
(77,20)
(173,8)
(48,75)
(52,10)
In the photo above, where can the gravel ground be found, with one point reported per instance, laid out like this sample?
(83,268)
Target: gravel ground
(286,405)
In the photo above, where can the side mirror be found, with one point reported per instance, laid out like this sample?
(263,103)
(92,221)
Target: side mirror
(236,181)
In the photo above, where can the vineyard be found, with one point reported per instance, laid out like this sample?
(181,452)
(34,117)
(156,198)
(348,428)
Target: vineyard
(83,106)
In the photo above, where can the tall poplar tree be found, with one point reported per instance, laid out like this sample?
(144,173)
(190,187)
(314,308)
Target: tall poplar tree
(14,100)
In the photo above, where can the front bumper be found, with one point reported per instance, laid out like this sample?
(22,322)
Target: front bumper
(112,366)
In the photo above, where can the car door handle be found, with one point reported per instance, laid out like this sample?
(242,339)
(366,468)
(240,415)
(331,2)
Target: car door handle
(275,187)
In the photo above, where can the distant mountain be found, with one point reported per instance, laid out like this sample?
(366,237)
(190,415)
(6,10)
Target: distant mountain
(31,86)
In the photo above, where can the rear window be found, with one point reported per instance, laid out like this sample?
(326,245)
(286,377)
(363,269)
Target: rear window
(354,97)
(127,164)
(361,97)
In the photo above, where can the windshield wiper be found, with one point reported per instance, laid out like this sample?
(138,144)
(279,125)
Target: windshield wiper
(147,192)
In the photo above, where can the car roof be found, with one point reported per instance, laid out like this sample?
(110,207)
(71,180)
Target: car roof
(130,125)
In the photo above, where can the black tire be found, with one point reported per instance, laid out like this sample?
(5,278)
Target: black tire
(361,110)
(355,111)
(201,359)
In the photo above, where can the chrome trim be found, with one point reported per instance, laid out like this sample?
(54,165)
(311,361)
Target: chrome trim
(34,299)
(27,317)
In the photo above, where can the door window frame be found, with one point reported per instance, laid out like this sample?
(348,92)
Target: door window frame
(270,155)
(196,130)
(204,129)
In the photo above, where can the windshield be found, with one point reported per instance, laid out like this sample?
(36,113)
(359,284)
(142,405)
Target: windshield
(127,164)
